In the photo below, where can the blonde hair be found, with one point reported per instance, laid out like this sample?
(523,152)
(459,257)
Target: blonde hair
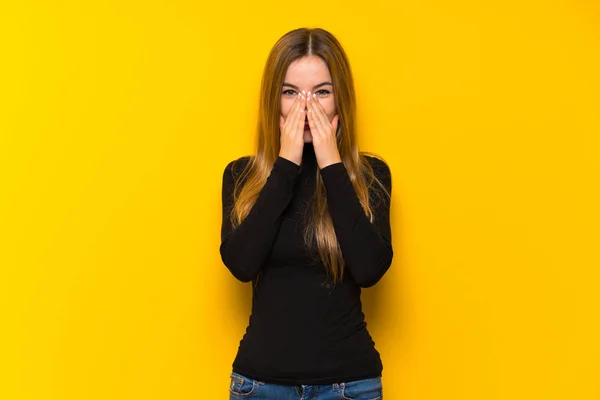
(294,45)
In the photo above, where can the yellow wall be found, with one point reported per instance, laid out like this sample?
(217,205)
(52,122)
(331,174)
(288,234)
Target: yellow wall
(118,117)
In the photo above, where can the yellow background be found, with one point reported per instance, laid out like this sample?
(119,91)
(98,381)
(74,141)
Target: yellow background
(118,117)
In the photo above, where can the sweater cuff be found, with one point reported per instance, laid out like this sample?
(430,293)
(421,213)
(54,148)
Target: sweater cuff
(289,168)
(333,170)
(336,180)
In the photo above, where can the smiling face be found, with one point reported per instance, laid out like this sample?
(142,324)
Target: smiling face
(310,74)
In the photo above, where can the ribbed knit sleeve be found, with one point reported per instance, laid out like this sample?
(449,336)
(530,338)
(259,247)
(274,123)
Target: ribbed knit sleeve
(366,247)
(244,250)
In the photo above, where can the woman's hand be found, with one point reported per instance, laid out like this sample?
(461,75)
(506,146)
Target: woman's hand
(323,133)
(292,131)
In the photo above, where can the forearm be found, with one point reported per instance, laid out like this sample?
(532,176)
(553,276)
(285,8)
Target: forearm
(244,249)
(366,246)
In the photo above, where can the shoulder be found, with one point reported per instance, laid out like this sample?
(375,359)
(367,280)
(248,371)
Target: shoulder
(381,168)
(235,167)
(381,172)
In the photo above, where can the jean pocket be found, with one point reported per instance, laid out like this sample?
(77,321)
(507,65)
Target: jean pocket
(242,386)
(364,389)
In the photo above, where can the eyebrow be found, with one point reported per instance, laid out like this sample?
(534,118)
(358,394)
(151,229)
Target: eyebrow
(316,86)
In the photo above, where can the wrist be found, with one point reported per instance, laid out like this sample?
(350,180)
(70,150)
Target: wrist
(291,158)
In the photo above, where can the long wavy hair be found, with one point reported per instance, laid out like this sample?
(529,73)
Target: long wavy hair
(294,45)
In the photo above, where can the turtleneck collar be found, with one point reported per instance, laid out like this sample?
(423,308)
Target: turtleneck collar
(309,159)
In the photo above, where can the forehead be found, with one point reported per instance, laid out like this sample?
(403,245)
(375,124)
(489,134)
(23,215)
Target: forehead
(307,70)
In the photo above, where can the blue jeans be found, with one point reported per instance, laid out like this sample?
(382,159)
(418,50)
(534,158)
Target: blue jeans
(242,387)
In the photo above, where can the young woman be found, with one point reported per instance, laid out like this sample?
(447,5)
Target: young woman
(306,219)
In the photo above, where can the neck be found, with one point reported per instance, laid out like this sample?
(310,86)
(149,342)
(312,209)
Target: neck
(309,159)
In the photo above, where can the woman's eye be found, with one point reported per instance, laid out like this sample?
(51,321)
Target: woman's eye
(322,92)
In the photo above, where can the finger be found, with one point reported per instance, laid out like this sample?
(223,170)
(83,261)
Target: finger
(335,123)
(314,129)
(290,122)
(321,115)
(301,116)
(317,125)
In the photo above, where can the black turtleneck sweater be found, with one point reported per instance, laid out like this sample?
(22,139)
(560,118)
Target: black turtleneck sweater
(303,329)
